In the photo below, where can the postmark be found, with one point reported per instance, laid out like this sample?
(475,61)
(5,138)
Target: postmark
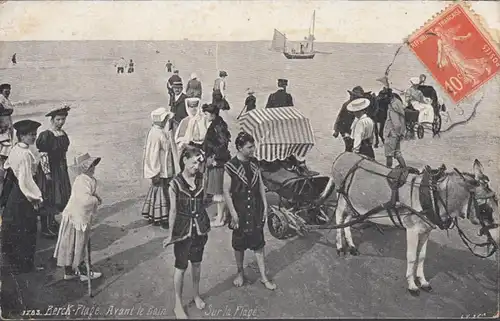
(457,50)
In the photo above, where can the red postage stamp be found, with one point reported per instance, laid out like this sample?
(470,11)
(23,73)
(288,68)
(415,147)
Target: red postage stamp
(457,51)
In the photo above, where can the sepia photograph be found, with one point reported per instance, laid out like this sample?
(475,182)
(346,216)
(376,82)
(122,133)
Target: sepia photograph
(226,159)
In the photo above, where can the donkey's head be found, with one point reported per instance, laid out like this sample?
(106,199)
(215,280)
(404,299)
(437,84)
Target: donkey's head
(482,206)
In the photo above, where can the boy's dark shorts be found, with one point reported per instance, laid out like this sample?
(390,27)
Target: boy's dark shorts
(190,249)
(243,241)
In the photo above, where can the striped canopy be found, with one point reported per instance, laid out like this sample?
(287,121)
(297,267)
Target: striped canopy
(278,132)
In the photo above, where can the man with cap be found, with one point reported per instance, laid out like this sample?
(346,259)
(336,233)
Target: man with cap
(22,199)
(362,128)
(177,105)
(280,98)
(345,118)
(175,78)
(4,96)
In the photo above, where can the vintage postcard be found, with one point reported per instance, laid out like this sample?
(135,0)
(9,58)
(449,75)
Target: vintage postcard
(249,159)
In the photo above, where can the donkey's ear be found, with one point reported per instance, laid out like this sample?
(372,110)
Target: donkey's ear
(478,169)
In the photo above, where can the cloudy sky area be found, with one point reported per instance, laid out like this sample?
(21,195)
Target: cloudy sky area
(336,21)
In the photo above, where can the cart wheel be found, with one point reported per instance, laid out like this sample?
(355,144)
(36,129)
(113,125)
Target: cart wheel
(420,131)
(277,224)
(436,125)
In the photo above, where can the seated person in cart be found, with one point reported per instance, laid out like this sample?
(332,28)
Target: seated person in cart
(429,92)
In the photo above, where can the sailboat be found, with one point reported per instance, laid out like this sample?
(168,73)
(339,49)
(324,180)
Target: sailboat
(280,40)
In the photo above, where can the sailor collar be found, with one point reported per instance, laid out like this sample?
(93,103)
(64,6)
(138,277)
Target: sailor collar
(239,171)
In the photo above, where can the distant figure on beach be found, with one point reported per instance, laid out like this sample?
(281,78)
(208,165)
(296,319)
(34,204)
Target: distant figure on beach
(250,101)
(168,65)
(120,66)
(280,98)
(130,66)
(170,82)
(14,59)
(193,88)
(219,93)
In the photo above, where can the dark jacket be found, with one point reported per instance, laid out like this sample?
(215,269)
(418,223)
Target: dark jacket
(345,118)
(178,107)
(191,208)
(279,99)
(246,196)
(217,140)
(171,80)
(193,88)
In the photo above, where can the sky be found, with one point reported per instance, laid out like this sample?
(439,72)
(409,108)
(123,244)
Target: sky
(336,21)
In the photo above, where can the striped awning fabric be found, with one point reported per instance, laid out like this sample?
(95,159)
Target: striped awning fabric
(278,132)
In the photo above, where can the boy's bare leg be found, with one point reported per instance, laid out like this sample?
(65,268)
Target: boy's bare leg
(259,254)
(178,286)
(196,272)
(240,278)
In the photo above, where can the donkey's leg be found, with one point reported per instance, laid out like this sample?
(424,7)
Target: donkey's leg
(411,258)
(339,219)
(422,249)
(348,236)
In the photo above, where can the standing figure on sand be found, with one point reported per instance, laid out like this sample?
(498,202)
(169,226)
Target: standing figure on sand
(52,174)
(362,128)
(159,168)
(120,65)
(193,128)
(193,88)
(244,192)
(168,66)
(131,68)
(175,78)
(177,105)
(219,96)
(22,200)
(280,98)
(73,242)
(190,225)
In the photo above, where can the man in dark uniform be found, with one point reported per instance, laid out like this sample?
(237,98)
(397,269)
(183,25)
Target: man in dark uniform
(177,105)
(245,197)
(280,98)
(174,78)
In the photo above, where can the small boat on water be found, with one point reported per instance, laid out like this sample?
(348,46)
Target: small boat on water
(306,50)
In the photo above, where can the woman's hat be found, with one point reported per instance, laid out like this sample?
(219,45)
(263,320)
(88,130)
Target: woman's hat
(250,91)
(222,74)
(26,126)
(85,161)
(192,102)
(194,76)
(59,112)
(5,111)
(177,84)
(158,115)
(414,80)
(210,108)
(5,86)
(358,104)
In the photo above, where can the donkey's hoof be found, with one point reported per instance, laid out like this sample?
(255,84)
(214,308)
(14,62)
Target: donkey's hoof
(426,288)
(354,251)
(341,251)
(414,292)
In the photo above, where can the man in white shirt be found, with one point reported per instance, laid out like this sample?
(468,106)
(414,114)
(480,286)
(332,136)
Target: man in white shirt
(362,128)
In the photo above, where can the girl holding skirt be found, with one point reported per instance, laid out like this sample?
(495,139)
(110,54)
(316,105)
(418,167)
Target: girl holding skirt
(73,241)
(216,148)
(22,199)
(159,168)
(52,175)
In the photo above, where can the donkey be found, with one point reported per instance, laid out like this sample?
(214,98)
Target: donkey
(417,202)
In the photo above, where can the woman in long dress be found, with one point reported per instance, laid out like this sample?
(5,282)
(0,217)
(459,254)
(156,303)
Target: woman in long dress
(22,199)
(219,94)
(216,148)
(159,168)
(193,128)
(52,175)
(73,241)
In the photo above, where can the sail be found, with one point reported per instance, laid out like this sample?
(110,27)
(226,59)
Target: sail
(279,41)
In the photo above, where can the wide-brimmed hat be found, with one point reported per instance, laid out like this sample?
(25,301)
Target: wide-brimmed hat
(5,111)
(59,112)
(85,161)
(160,114)
(26,126)
(177,84)
(414,80)
(358,91)
(358,104)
